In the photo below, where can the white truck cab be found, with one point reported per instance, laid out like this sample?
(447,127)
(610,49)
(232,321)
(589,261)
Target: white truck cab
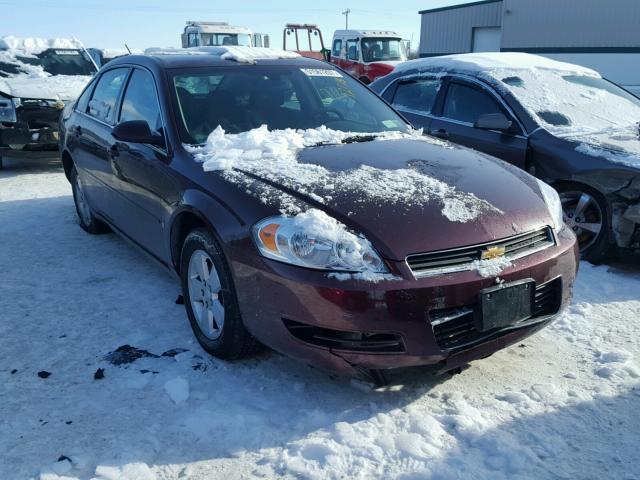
(217,34)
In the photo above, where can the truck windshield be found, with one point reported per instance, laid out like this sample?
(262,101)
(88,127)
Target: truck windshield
(381,49)
(243,98)
(58,61)
(220,39)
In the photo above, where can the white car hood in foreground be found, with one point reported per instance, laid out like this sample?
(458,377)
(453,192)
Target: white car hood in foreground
(59,87)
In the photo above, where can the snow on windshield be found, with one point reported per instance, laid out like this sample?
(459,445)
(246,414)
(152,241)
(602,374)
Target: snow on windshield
(273,155)
(568,103)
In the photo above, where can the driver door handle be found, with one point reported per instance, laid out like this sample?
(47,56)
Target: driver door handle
(440,133)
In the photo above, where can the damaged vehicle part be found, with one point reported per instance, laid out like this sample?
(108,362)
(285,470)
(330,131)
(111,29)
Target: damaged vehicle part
(37,79)
(563,123)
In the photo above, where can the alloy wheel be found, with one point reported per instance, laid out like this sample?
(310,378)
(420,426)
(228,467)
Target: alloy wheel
(84,211)
(205,294)
(583,214)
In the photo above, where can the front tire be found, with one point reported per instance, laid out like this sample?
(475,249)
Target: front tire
(586,213)
(210,298)
(87,220)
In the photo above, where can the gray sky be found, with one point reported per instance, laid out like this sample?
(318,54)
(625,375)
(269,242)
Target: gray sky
(146,23)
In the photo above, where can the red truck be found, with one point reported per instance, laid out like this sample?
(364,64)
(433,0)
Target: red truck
(367,54)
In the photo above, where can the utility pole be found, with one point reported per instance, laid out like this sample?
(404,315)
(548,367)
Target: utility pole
(346,15)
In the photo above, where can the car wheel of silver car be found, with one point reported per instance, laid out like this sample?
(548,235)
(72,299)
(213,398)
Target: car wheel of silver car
(87,220)
(585,212)
(210,298)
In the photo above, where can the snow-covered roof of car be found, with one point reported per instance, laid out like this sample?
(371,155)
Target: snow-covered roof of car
(234,53)
(478,63)
(35,45)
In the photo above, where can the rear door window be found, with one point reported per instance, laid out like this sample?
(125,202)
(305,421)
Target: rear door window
(105,96)
(140,101)
(417,96)
(466,104)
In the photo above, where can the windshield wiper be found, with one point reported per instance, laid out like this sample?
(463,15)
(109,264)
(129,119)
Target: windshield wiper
(352,139)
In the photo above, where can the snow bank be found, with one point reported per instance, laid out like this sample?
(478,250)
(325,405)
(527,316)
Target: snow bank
(235,53)
(273,155)
(35,45)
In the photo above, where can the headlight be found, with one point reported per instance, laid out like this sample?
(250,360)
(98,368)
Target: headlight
(313,239)
(8,109)
(552,199)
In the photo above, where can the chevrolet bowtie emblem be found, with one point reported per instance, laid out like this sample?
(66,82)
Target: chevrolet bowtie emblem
(493,252)
(58,105)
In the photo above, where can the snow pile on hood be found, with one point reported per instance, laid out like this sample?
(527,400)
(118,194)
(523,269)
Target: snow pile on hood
(273,156)
(562,97)
(235,53)
(35,45)
(318,224)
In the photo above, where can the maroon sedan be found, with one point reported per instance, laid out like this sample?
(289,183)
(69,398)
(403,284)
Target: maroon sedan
(301,211)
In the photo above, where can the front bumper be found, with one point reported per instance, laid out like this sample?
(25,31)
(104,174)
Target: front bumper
(36,129)
(275,296)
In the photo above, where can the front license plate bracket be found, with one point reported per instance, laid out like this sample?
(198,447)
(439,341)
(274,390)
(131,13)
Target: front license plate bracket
(505,305)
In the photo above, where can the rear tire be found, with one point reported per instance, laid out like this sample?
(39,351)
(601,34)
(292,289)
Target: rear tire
(586,213)
(210,298)
(87,220)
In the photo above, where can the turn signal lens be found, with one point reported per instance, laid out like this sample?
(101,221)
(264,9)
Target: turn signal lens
(267,235)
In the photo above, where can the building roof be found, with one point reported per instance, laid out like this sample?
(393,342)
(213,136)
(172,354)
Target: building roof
(460,5)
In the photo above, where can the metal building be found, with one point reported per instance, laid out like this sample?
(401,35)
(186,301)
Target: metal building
(601,34)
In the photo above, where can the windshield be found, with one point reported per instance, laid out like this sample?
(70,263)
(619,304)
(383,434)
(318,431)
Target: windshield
(573,103)
(243,98)
(59,61)
(220,39)
(380,49)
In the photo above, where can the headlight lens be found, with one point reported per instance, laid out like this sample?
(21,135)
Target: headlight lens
(313,239)
(7,110)
(552,199)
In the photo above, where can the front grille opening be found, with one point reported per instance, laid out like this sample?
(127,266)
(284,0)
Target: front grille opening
(460,259)
(456,327)
(341,340)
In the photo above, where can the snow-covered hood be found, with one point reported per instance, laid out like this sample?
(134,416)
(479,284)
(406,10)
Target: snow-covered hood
(59,87)
(620,146)
(406,193)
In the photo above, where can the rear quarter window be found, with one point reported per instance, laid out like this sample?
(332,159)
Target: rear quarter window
(416,96)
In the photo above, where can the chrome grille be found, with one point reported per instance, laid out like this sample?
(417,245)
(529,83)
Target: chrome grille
(461,259)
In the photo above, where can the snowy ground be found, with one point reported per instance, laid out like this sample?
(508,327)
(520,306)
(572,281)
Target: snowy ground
(562,405)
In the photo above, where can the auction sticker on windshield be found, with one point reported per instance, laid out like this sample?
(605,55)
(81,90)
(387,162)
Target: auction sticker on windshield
(320,72)
(67,52)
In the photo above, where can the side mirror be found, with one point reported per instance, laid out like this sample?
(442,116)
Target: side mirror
(136,131)
(493,121)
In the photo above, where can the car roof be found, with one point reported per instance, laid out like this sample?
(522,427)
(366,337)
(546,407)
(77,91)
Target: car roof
(186,58)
